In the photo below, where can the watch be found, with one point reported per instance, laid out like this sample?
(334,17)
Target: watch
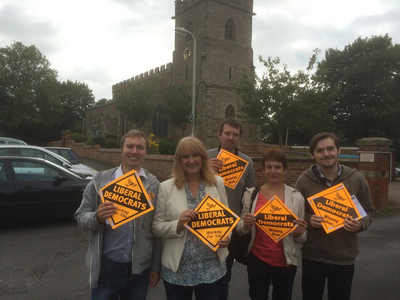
(186,53)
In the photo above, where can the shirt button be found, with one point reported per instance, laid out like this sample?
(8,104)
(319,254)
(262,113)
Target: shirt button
(128,241)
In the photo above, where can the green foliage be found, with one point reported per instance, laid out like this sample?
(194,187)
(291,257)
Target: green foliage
(167,147)
(274,100)
(153,144)
(75,99)
(103,101)
(110,144)
(78,137)
(136,104)
(361,86)
(178,107)
(28,94)
(98,140)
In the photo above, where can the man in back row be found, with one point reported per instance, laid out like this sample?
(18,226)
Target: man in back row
(331,256)
(229,134)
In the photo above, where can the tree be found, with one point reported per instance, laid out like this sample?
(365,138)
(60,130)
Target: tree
(136,104)
(28,94)
(272,101)
(75,98)
(361,84)
(103,101)
(178,107)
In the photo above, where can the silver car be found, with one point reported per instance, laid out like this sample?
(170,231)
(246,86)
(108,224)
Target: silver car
(35,151)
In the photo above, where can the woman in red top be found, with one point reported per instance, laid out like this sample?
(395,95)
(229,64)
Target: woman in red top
(268,261)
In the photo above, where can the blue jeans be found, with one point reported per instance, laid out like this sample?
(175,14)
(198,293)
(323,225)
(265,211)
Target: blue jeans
(340,278)
(261,275)
(116,281)
(204,291)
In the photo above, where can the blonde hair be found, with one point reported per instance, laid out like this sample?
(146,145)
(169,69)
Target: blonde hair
(193,146)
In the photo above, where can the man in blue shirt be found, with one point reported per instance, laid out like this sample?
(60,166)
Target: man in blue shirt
(123,261)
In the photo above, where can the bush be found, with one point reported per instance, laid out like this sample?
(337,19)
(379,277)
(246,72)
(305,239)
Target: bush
(78,137)
(167,147)
(98,140)
(111,144)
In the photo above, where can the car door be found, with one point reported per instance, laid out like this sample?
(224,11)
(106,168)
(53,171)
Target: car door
(43,190)
(7,192)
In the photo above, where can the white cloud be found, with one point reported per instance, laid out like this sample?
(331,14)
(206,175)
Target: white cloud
(103,42)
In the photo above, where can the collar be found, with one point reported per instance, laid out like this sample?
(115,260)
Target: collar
(119,173)
(236,150)
(325,180)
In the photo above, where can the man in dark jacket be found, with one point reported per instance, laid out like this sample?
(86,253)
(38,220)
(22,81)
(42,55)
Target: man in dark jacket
(331,256)
(125,260)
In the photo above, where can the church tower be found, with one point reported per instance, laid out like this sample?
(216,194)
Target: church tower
(223,33)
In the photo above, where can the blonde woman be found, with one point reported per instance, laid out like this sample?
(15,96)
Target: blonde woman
(189,265)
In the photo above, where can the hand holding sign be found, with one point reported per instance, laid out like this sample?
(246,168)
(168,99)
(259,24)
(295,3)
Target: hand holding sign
(212,223)
(186,216)
(105,211)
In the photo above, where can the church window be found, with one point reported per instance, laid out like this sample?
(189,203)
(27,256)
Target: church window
(188,37)
(230,30)
(229,111)
(159,122)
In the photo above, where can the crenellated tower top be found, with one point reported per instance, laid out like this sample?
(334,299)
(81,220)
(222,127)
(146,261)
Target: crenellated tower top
(183,5)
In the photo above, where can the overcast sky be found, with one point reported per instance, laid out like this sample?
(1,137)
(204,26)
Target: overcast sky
(103,42)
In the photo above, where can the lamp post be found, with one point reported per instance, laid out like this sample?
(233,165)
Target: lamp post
(183,31)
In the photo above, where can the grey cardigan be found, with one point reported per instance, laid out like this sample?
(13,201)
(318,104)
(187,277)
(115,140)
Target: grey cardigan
(146,251)
(291,245)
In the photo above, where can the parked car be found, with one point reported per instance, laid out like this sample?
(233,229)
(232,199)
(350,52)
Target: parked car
(6,140)
(33,188)
(67,153)
(35,151)
(396,172)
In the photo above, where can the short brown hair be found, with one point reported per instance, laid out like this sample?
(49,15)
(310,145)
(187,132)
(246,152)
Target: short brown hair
(135,133)
(233,122)
(274,154)
(192,146)
(322,136)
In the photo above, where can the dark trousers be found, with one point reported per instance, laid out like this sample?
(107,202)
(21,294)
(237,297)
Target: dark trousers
(339,279)
(261,275)
(116,281)
(204,291)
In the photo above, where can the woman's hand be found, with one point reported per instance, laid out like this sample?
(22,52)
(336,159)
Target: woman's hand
(301,228)
(224,243)
(186,215)
(248,220)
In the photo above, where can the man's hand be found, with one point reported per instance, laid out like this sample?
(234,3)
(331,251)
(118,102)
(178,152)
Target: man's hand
(105,210)
(351,224)
(186,215)
(316,221)
(216,164)
(248,220)
(154,278)
(224,243)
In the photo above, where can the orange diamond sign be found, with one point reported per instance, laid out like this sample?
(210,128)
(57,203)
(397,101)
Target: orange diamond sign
(334,204)
(214,221)
(275,219)
(233,168)
(130,197)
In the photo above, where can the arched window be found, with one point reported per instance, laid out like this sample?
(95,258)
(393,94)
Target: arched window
(159,122)
(230,30)
(229,111)
(188,37)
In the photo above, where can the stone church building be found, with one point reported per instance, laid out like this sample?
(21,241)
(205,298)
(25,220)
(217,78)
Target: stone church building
(223,34)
